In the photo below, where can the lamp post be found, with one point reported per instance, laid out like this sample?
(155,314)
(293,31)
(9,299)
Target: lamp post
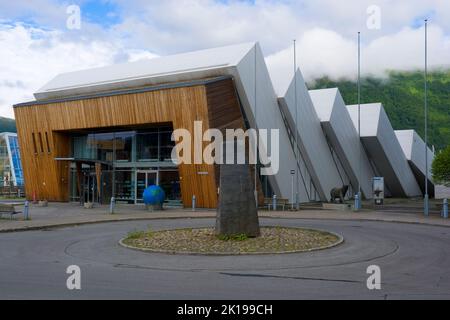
(256,126)
(426,199)
(297,195)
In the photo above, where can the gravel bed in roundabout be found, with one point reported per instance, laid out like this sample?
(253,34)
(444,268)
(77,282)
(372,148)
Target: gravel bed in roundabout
(204,241)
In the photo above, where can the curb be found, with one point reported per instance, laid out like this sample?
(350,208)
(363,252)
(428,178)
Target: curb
(82,223)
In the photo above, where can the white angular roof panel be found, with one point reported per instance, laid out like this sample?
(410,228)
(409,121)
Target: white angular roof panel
(338,127)
(384,150)
(312,142)
(180,67)
(414,149)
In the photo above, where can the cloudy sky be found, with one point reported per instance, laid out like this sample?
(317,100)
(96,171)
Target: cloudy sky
(36,42)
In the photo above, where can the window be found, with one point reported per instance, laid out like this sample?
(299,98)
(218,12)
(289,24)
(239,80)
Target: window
(151,145)
(166,146)
(16,162)
(155,145)
(101,146)
(48,143)
(34,143)
(124,146)
(41,144)
(147,147)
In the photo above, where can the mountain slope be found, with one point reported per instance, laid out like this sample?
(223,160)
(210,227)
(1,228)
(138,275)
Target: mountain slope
(402,94)
(7,125)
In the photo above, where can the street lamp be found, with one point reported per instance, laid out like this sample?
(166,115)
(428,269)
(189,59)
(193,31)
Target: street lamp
(359,194)
(297,156)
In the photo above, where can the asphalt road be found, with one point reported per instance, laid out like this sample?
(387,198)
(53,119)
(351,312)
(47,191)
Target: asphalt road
(414,260)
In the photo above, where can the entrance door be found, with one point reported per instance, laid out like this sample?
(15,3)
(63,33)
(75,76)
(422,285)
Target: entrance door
(90,187)
(145,179)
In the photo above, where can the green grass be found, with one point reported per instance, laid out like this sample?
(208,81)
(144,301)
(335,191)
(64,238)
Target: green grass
(238,237)
(133,235)
(138,234)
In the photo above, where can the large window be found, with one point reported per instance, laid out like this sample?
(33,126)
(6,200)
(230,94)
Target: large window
(166,145)
(11,173)
(124,146)
(152,145)
(16,162)
(101,146)
(155,145)
(147,146)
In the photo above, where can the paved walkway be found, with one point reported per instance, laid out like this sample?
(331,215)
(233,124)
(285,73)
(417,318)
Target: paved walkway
(60,215)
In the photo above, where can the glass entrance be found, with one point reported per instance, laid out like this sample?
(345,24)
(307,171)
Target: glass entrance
(145,179)
(89,187)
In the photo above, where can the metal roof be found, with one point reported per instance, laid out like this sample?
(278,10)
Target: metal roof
(174,68)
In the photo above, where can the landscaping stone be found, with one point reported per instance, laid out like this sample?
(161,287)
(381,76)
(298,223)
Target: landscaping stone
(237,213)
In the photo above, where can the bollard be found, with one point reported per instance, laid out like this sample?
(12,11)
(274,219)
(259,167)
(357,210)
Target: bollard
(445,209)
(274,202)
(112,205)
(357,202)
(194,202)
(427,205)
(26,211)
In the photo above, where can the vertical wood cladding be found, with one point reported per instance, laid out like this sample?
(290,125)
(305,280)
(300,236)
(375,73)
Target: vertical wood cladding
(224,113)
(48,179)
(43,132)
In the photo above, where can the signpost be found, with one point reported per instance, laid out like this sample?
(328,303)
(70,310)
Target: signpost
(293,172)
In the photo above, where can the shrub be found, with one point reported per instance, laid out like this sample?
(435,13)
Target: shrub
(441,168)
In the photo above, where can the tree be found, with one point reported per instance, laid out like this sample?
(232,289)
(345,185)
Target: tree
(441,168)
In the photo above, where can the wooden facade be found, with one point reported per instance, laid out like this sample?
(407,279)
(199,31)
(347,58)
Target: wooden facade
(44,131)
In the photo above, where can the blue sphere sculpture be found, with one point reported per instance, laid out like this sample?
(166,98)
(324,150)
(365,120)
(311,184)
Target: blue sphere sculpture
(154,196)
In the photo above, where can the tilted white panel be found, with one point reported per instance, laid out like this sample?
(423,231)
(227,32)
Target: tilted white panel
(383,148)
(268,116)
(414,149)
(312,141)
(344,138)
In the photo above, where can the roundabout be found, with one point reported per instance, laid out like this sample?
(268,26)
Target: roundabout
(414,261)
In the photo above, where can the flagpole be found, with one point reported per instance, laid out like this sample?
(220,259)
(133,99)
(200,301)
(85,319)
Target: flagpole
(256,126)
(426,199)
(297,195)
(359,195)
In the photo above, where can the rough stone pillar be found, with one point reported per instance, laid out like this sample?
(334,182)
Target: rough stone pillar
(237,213)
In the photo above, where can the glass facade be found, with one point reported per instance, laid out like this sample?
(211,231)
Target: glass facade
(10,161)
(131,161)
(101,146)
(152,145)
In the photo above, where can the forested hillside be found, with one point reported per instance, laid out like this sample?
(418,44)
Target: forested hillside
(7,125)
(402,94)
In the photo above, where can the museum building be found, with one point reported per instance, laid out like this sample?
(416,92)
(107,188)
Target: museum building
(94,134)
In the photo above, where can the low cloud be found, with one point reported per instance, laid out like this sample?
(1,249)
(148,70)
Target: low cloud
(34,52)
(30,57)
(327,53)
